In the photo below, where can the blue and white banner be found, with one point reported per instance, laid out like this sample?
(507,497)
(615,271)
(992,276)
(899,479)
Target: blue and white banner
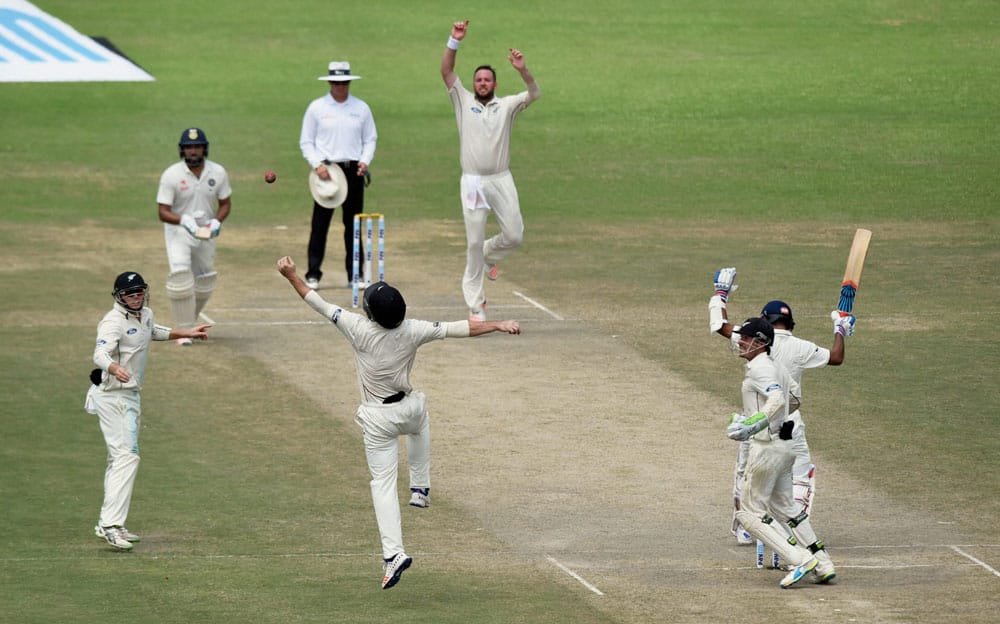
(36,47)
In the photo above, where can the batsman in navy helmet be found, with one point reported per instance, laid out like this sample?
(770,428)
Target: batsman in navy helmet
(193,200)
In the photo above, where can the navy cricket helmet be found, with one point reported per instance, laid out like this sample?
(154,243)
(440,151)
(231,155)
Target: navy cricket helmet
(778,311)
(192,136)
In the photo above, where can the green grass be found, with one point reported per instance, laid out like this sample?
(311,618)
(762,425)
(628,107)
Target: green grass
(671,139)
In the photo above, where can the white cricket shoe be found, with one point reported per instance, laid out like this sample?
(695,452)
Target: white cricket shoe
(113,535)
(799,572)
(393,569)
(824,571)
(420,497)
(312,282)
(184,342)
(128,535)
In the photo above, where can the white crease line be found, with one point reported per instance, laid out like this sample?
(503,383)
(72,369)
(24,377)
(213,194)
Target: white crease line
(575,575)
(539,306)
(207,320)
(273,323)
(973,559)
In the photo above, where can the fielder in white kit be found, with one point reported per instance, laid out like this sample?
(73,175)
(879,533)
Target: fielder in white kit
(193,200)
(793,355)
(123,337)
(385,347)
(768,395)
(484,125)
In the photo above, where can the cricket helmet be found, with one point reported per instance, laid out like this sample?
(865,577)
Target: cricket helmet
(192,136)
(778,311)
(129,283)
(384,305)
(760,330)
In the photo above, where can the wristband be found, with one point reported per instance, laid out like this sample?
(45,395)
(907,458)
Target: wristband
(453,43)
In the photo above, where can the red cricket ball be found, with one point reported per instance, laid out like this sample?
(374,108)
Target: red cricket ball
(270,176)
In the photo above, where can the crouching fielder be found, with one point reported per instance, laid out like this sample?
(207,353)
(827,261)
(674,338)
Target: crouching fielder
(385,348)
(768,394)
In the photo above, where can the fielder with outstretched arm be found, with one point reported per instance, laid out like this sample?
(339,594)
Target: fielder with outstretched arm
(385,347)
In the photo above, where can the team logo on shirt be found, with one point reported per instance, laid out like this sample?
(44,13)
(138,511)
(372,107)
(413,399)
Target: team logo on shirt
(102,341)
(476,109)
(772,388)
(131,330)
(336,316)
(211,181)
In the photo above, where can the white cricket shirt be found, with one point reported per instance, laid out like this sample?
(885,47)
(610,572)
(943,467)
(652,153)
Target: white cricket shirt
(484,129)
(124,338)
(186,193)
(337,132)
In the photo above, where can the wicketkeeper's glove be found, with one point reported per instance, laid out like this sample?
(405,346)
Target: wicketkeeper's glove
(742,427)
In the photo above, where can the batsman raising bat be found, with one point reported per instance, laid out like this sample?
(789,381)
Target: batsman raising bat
(793,356)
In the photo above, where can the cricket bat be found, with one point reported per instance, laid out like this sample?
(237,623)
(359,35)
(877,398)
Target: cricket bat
(852,274)
(205,232)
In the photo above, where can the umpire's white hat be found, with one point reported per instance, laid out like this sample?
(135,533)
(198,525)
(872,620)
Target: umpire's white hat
(339,71)
(329,193)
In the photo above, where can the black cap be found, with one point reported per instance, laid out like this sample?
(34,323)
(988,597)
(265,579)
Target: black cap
(758,328)
(384,305)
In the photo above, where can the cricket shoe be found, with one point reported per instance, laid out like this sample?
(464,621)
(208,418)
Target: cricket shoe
(114,536)
(824,571)
(184,342)
(479,315)
(312,282)
(421,497)
(393,568)
(128,535)
(799,572)
(492,272)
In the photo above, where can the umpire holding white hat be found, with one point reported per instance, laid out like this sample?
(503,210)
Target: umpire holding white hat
(338,132)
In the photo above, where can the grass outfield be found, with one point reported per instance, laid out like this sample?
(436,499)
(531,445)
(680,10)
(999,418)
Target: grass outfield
(671,139)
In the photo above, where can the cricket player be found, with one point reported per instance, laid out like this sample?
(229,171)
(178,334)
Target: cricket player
(385,347)
(120,354)
(794,356)
(484,125)
(194,199)
(768,395)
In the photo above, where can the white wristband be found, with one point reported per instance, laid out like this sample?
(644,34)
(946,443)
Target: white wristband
(453,43)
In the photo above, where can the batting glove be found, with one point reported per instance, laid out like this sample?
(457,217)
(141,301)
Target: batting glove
(189,224)
(215,226)
(843,325)
(742,427)
(724,285)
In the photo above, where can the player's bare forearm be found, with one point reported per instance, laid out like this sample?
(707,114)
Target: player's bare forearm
(837,352)
(458,30)
(286,266)
(199,332)
(225,205)
(478,328)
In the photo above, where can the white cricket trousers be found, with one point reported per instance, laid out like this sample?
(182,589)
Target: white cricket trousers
(767,491)
(119,415)
(383,425)
(185,252)
(480,196)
